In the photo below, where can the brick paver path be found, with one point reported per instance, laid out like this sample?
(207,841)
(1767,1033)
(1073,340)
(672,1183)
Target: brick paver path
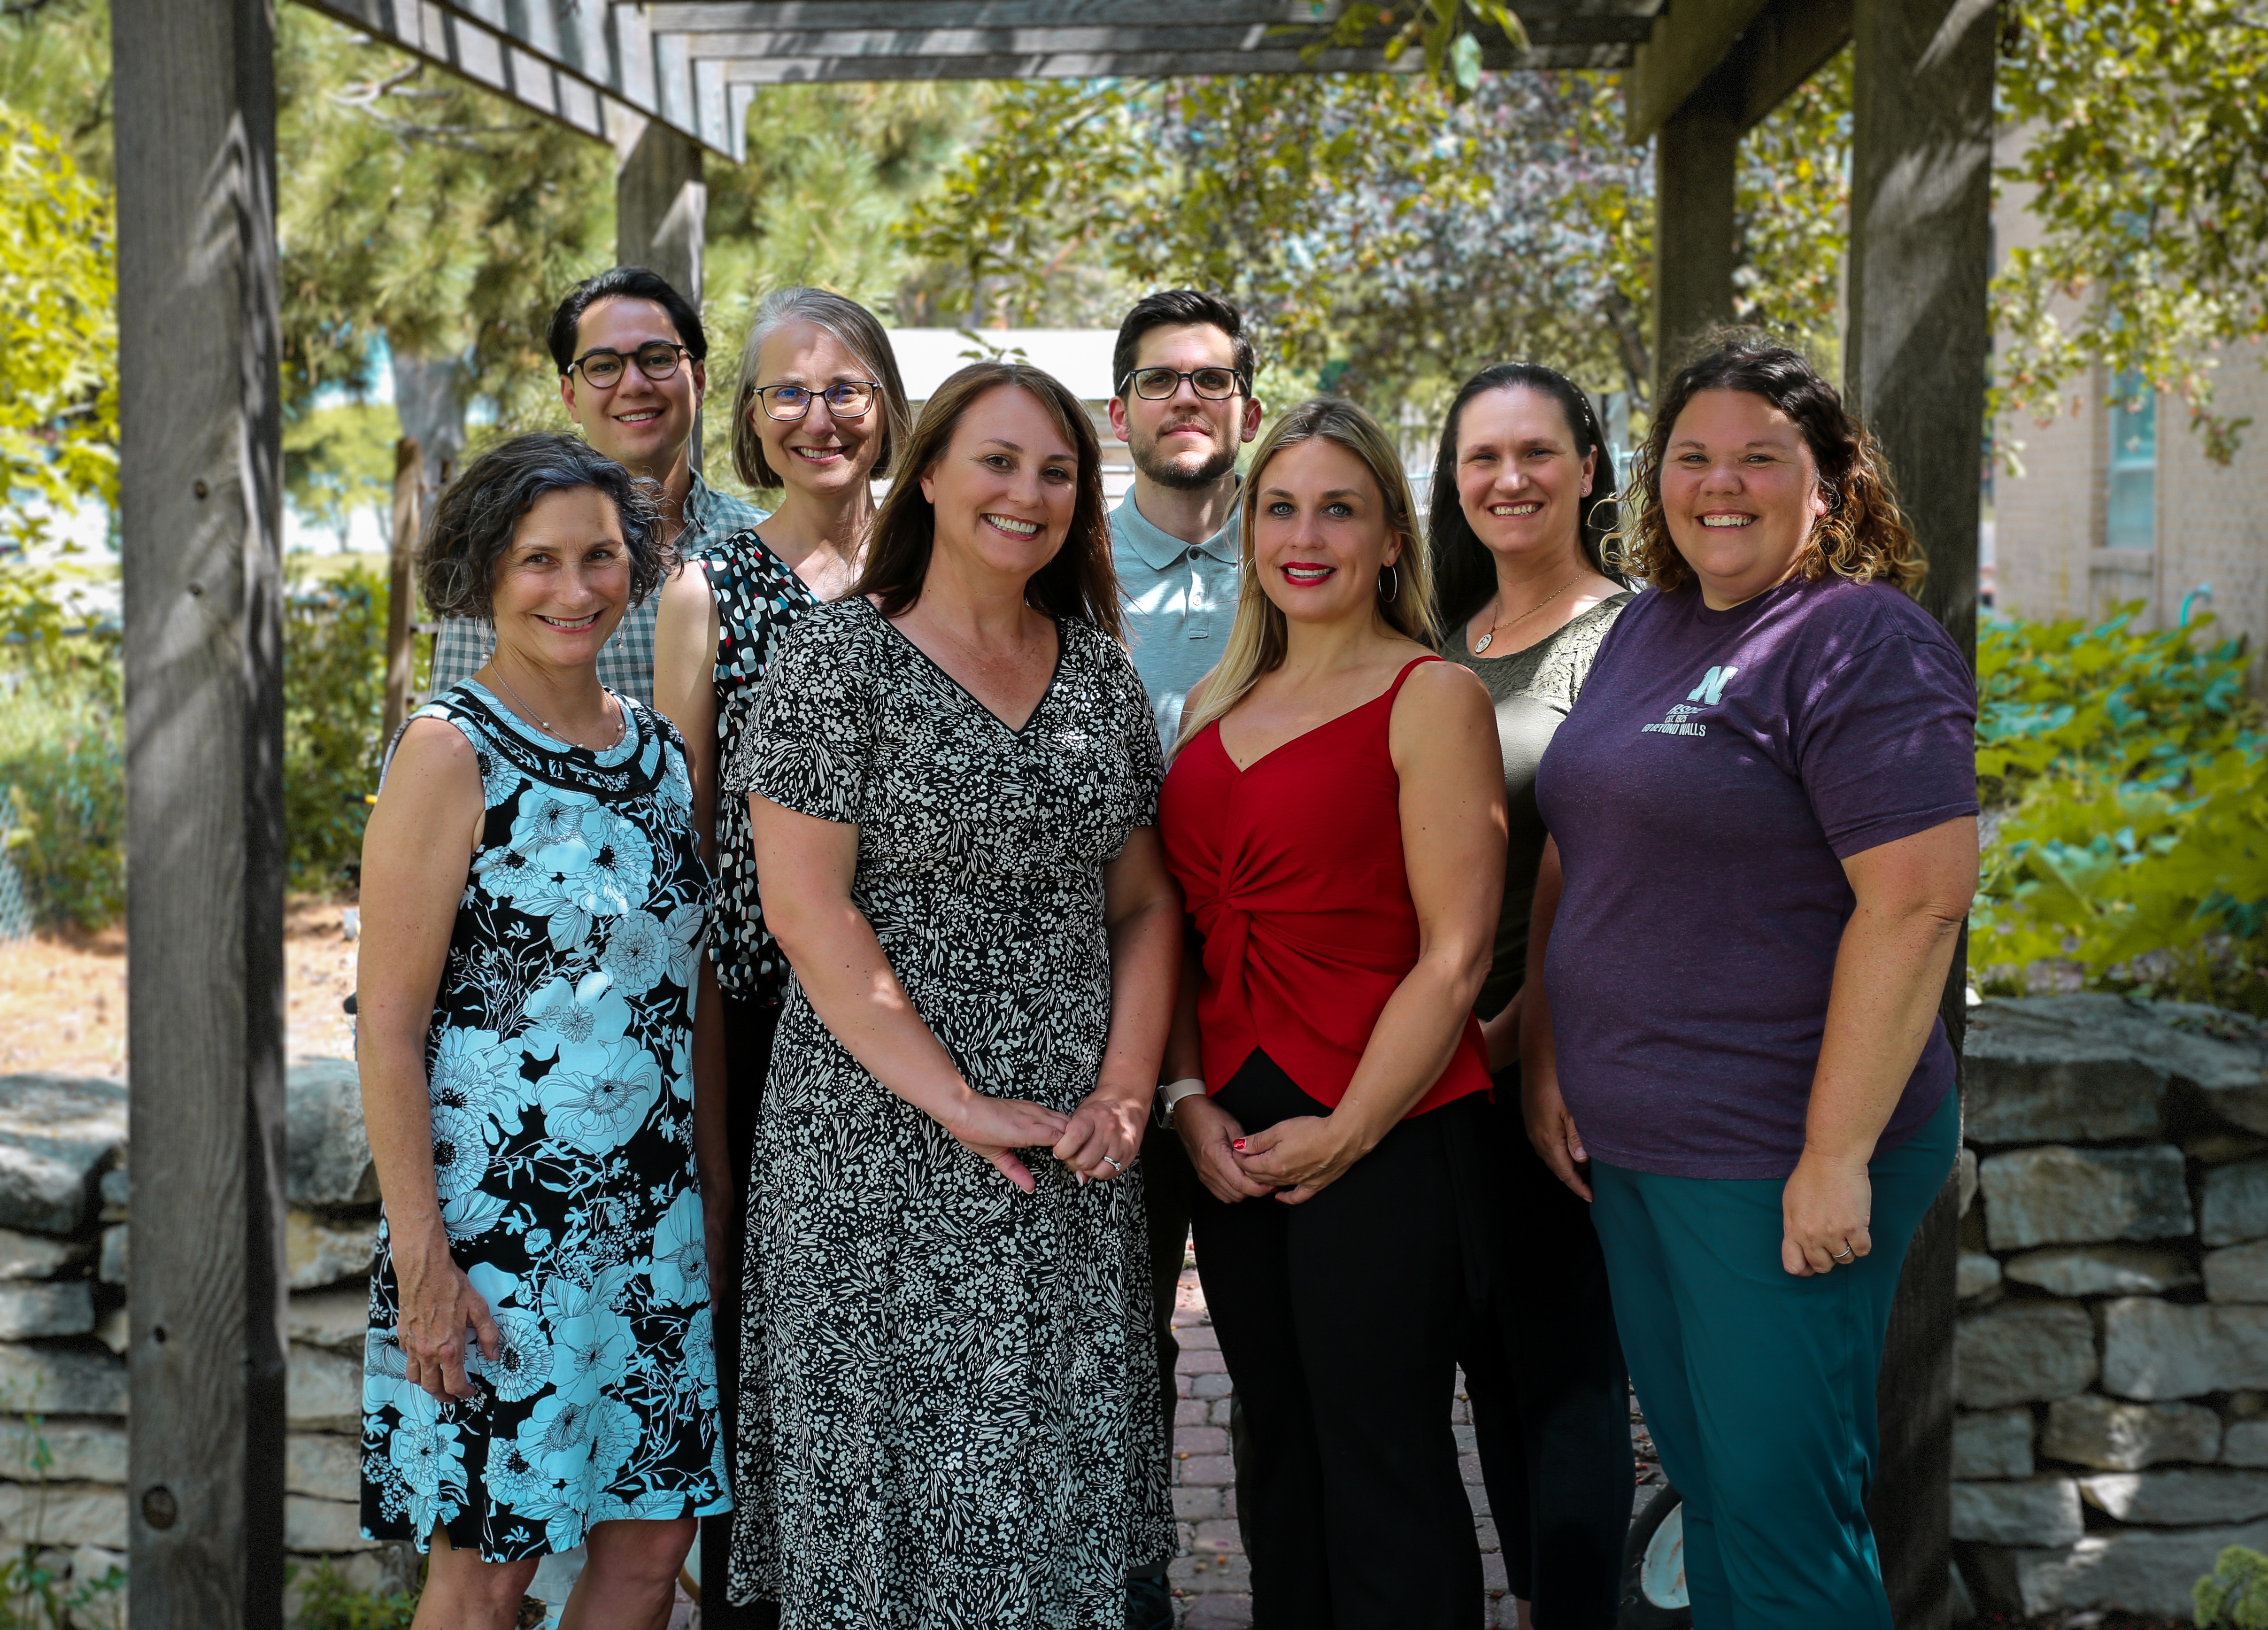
(1212,1584)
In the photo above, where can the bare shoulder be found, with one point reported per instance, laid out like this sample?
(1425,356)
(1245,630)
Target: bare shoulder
(434,763)
(1446,687)
(431,744)
(686,592)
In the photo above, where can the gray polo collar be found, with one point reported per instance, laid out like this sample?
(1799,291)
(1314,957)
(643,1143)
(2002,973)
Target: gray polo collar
(1160,549)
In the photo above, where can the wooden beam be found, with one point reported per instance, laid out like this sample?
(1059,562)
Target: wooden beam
(661,211)
(1686,44)
(200,512)
(1248,41)
(759,16)
(1914,362)
(1133,65)
(1741,55)
(1788,43)
(1694,241)
(402,588)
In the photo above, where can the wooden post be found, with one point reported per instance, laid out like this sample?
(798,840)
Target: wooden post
(662,213)
(200,511)
(1693,239)
(402,591)
(1914,360)
(661,206)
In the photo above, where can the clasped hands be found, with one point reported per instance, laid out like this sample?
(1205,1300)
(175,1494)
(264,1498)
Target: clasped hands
(1098,1140)
(1295,1160)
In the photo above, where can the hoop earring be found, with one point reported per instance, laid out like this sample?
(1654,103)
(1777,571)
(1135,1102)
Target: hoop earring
(1389,596)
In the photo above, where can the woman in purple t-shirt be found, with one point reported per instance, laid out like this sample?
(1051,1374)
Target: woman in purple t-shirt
(1763,809)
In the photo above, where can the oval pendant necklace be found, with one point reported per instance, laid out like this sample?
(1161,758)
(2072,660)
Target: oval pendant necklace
(1481,645)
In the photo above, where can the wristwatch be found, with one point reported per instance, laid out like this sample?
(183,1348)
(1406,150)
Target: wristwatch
(1172,1092)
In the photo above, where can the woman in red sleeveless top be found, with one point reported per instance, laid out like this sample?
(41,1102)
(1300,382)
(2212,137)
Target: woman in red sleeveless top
(1334,816)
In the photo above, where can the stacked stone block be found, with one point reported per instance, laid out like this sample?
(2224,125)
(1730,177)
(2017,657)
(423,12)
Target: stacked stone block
(2111,1362)
(65,1240)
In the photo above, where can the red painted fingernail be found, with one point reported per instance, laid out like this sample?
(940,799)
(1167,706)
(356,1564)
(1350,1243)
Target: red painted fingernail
(1238,1146)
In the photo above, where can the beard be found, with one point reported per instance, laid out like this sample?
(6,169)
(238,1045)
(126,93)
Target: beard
(1181,477)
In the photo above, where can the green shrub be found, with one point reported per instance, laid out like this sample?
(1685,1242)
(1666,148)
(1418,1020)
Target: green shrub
(62,778)
(334,711)
(2235,1593)
(331,1604)
(34,1596)
(2129,788)
(62,757)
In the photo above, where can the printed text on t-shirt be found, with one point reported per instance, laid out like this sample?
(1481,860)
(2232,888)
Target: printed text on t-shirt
(1677,721)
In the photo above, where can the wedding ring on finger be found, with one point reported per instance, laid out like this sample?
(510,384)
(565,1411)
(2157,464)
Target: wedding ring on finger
(1838,1256)
(1115,1166)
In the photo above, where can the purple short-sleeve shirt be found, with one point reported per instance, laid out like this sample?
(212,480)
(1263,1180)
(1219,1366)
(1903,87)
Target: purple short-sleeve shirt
(1704,791)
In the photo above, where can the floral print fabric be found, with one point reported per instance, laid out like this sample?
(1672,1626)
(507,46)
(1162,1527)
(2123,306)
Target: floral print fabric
(947,1411)
(559,1065)
(758,598)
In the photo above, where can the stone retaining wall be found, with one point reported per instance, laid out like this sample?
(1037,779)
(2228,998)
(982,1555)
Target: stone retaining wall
(64,1239)
(2111,1365)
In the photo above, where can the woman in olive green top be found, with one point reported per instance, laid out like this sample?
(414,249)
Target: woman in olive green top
(1521,505)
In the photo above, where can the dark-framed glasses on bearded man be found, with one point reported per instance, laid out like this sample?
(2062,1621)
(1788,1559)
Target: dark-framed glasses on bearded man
(1157,384)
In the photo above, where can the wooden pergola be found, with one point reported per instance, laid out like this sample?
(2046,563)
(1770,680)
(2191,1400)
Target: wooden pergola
(666,83)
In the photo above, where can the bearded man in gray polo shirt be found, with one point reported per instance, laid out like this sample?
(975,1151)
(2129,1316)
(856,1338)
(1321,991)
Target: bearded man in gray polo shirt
(1183,372)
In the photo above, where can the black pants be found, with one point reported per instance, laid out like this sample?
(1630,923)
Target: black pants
(1339,1320)
(1167,1183)
(749,1029)
(1550,1398)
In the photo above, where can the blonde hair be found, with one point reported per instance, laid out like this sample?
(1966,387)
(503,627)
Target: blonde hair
(1256,640)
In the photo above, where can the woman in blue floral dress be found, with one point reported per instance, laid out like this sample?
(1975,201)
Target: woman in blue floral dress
(540,1370)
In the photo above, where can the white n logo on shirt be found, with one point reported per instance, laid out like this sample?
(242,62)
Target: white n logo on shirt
(1711,685)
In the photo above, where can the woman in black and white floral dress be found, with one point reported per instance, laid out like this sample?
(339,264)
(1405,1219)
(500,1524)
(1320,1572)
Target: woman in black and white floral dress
(815,414)
(946,1417)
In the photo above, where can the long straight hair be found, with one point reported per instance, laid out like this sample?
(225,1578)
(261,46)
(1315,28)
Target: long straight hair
(1077,582)
(1257,638)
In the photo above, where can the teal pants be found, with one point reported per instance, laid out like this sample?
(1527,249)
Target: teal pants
(1758,1385)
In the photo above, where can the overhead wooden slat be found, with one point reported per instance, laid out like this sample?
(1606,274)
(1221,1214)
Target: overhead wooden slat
(730,16)
(695,65)
(1125,64)
(1207,40)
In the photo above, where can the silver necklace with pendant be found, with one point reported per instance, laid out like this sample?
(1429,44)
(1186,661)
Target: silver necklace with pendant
(1481,645)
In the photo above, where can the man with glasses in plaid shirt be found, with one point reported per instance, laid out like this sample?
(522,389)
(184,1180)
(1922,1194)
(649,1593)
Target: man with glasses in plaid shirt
(632,369)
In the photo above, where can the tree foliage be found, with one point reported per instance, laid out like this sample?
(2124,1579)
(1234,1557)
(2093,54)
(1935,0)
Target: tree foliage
(58,331)
(2146,149)
(1387,231)
(418,207)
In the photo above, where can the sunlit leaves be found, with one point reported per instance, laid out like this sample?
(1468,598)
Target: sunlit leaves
(2144,140)
(2129,841)
(58,331)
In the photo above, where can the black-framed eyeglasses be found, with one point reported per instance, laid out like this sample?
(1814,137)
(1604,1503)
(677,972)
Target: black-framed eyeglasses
(1157,384)
(656,359)
(846,399)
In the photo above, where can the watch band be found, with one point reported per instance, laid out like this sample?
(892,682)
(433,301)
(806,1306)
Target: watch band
(1172,1092)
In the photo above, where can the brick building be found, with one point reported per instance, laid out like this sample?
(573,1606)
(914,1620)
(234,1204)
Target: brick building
(2117,501)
